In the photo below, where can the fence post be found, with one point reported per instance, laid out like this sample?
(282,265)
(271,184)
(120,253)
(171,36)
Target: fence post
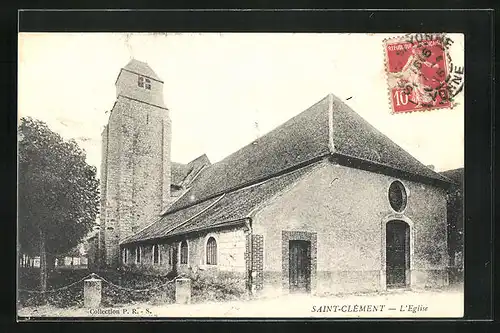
(92,292)
(183,291)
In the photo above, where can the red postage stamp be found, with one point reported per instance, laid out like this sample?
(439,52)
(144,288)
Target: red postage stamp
(417,67)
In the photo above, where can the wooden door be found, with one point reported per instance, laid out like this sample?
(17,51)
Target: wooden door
(397,254)
(300,266)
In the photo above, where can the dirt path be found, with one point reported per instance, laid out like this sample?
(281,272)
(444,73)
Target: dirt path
(402,304)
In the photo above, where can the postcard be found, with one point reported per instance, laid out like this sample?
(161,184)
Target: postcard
(240,175)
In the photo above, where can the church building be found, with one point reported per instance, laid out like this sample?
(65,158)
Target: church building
(324,203)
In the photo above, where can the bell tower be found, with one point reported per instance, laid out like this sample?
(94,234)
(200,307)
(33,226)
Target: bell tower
(135,165)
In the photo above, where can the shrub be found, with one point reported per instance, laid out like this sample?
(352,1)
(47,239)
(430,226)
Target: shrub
(217,286)
(114,295)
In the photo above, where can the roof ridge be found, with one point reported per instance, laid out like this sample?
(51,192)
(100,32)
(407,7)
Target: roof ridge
(141,68)
(331,144)
(200,156)
(273,153)
(287,122)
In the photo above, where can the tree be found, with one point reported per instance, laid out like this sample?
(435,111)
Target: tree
(58,193)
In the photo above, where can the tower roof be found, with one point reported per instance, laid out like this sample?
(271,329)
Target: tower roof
(141,68)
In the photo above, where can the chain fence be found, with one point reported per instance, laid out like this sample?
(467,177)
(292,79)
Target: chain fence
(113,293)
(137,290)
(96,276)
(128,287)
(56,289)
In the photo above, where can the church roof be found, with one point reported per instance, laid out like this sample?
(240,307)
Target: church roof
(220,211)
(329,127)
(183,173)
(354,137)
(456,175)
(179,172)
(300,139)
(297,141)
(142,68)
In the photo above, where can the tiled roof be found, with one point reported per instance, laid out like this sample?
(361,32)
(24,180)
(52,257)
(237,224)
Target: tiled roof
(456,175)
(182,174)
(179,172)
(226,191)
(296,141)
(143,68)
(353,136)
(220,210)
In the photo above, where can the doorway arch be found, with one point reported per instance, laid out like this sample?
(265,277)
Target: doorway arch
(397,247)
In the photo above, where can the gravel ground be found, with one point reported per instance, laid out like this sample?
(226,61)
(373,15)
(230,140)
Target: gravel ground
(400,304)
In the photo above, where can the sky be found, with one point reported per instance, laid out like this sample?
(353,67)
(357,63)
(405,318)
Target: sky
(225,90)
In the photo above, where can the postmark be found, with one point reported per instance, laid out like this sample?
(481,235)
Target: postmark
(421,74)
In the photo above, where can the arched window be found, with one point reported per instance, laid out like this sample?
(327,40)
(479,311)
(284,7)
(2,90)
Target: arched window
(125,255)
(211,251)
(138,254)
(184,252)
(170,255)
(156,254)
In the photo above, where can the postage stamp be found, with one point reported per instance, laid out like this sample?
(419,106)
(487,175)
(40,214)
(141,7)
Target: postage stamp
(420,72)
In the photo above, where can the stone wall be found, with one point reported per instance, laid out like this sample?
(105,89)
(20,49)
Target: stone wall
(254,262)
(230,253)
(135,181)
(147,265)
(126,85)
(347,209)
(101,249)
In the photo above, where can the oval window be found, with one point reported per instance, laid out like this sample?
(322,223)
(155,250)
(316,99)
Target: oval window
(397,196)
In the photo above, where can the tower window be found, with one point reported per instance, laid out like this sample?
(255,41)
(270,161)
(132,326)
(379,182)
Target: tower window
(184,253)
(144,82)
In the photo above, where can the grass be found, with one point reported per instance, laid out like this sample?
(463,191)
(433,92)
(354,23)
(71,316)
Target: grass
(440,303)
(112,294)
(217,286)
(116,289)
